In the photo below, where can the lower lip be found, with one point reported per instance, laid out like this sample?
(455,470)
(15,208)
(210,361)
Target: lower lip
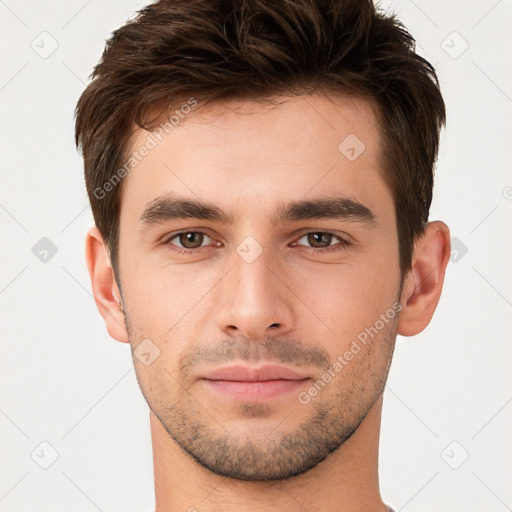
(255,391)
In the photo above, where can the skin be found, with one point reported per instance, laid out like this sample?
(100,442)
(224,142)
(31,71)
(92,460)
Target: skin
(290,306)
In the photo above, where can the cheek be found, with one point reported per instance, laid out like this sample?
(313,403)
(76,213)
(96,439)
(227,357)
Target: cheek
(170,303)
(349,297)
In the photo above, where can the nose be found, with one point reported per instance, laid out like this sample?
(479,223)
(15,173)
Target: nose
(255,299)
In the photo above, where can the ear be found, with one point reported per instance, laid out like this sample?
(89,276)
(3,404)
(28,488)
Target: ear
(104,287)
(424,281)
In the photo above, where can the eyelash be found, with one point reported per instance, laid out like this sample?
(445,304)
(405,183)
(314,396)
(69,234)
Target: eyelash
(338,247)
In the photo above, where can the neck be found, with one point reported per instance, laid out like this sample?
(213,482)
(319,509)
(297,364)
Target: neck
(346,480)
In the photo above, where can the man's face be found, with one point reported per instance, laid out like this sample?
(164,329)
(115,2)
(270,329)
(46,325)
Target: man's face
(262,289)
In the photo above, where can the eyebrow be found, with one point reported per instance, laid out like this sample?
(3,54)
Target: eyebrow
(171,207)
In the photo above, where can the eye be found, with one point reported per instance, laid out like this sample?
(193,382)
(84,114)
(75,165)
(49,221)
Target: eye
(187,240)
(321,241)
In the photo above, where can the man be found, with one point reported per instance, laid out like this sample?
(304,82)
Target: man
(260,175)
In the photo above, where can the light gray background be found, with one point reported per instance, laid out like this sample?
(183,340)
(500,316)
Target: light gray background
(66,384)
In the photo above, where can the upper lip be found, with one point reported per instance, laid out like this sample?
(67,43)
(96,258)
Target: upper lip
(250,374)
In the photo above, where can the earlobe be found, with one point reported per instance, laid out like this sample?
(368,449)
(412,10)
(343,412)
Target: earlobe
(424,281)
(104,287)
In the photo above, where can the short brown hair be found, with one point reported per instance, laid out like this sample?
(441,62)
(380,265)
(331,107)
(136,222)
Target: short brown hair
(220,49)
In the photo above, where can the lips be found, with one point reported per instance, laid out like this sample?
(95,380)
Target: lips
(244,383)
(248,374)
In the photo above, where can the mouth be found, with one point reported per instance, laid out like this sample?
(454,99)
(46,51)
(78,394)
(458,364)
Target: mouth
(254,384)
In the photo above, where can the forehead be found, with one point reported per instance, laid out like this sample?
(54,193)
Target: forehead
(248,155)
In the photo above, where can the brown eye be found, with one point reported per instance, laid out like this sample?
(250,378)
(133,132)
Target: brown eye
(319,239)
(191,240)
(187,240)
(322,241)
